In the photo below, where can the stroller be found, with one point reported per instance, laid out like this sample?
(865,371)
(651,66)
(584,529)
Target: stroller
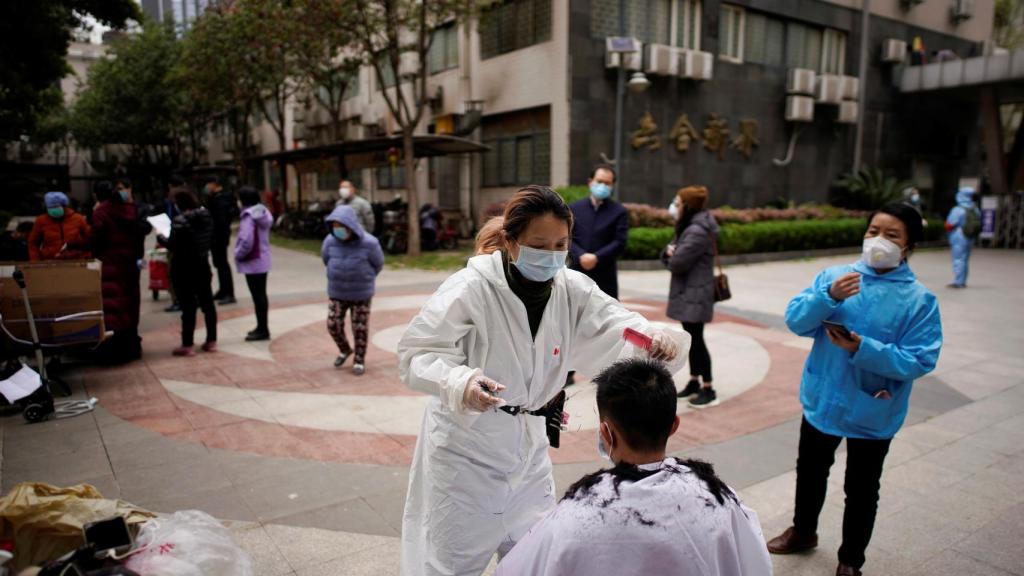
(32,391)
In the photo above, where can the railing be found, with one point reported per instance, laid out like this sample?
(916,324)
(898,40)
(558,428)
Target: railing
(967,72)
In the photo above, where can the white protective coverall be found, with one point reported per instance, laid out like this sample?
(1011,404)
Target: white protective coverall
(479,481)
(667,523)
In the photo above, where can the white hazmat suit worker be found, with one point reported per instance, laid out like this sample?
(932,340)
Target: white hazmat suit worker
(512,322)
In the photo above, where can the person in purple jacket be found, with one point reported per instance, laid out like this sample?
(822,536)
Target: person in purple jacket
(252,255)
(353,259)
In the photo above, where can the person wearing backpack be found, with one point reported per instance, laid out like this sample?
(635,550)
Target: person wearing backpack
(963,225)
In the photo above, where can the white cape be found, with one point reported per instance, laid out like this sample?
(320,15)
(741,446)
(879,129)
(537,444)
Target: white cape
(667,523)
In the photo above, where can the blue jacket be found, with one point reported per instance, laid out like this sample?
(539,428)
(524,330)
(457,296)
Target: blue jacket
(352,265)
(603,232)
(898,321)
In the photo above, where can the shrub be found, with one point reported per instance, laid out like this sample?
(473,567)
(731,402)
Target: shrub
(646,243)
(647,216)
(868,189)
(572,193)
(794,235)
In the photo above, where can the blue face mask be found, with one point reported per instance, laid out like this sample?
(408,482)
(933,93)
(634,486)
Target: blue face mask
(600,191)
(124,195)
(540,265)
(341,233)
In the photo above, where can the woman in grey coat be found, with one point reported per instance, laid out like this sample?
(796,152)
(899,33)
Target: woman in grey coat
(691,297)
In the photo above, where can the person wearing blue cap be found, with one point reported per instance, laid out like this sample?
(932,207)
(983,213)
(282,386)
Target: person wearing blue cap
(61,233)
(963,225)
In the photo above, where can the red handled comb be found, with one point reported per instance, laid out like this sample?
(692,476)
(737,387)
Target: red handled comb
(638,339)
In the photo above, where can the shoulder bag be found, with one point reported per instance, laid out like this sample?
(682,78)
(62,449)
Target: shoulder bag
(722,291)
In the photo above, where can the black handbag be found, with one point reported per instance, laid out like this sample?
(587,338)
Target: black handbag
(722,291)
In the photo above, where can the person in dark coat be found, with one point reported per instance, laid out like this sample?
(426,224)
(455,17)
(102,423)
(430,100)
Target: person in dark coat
(189,245)
(14,243)
(691,297)
(117,242)
(223,209)
(599,233)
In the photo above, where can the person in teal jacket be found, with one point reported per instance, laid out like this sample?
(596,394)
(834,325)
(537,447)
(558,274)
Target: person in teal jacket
(857,380)
(962,225)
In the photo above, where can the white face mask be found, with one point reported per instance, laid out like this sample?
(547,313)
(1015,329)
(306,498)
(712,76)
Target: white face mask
(540,265)
(601,448)
(881,253)
(673,210)
(345,192)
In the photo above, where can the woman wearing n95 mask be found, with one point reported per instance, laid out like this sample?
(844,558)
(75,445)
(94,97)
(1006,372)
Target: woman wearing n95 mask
(857,380)
(493,344)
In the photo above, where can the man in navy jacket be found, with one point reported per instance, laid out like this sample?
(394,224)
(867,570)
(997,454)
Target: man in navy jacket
(600,231)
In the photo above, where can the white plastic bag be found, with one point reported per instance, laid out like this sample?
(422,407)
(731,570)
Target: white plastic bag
(188,543)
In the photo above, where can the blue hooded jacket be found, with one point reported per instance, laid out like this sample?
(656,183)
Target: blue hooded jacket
(898,321)
(352,265)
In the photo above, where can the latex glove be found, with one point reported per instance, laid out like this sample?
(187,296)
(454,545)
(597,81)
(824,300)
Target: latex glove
(474,397)
(663,347)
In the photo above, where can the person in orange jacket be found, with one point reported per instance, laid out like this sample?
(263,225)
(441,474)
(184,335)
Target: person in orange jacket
(60,234)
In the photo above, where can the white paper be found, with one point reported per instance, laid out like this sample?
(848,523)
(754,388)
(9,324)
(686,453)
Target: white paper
(20,384)
(161,223)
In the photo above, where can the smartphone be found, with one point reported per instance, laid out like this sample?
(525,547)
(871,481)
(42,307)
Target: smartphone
(108,535)
(843,330)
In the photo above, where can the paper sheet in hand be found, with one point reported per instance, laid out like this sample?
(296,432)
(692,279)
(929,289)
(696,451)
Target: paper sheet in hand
(20,384)
(161,223)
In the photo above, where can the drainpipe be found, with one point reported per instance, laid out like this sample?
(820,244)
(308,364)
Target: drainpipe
(862,73)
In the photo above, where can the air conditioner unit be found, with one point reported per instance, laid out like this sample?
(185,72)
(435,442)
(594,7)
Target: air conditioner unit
(894,51)
(828,89)
(624,52)
(800,81)
(799,108)
(696,65)
(661,60)
(961,10)
(850,87)
(408,64)
(847,113)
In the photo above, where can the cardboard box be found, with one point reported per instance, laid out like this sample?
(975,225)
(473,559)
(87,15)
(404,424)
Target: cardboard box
(66,298)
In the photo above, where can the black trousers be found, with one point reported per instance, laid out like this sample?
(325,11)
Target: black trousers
(258,290)
(195,293)
(864,460)
(225,282)
(700,358)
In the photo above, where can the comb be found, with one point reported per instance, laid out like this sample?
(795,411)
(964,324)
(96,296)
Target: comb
(638,339)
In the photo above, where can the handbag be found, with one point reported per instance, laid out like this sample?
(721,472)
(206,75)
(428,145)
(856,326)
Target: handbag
(722,291)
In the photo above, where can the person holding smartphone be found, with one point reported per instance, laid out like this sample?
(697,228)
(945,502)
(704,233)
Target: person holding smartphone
(876,329)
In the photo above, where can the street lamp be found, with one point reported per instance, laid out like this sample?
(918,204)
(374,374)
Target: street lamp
(638,82)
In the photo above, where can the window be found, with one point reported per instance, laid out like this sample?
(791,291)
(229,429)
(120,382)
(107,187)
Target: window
(687,32)
(386,71)
(730,33)
(444,49)
(327,178)
(388,178)
(648,20)
(514,24)
(520,151)
(803,46)
(763,39)
(833,52)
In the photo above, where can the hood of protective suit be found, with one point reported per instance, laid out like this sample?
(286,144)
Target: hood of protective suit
(965,197)
(346,216)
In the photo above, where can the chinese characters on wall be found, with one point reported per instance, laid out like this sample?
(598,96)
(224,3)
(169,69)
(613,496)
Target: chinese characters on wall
(715,135)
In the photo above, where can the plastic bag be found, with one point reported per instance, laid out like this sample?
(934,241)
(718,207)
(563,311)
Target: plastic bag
(188,543)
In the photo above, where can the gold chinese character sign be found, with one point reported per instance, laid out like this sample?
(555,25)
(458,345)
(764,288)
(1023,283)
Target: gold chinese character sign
(716,135)
(747,139)
(683,133)
(646,135)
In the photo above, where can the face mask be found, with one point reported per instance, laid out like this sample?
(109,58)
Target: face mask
(881,253)
(915,199)
(345,192)
(540,265)
(601,448)
(123,194)
(55,212)
(340,233)
(600,191)
(673,211)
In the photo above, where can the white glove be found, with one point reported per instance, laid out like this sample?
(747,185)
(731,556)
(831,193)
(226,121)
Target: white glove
(476,399)
(663,347)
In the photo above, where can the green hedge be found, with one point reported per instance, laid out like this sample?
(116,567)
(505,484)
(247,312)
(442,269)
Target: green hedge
(572,193)
(646,243)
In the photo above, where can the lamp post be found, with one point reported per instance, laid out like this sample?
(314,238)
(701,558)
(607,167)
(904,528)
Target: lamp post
(638,82)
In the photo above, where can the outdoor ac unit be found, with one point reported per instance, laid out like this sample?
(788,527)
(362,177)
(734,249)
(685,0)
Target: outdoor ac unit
(894,51)
(696,65)
(847,113)
(850,87)
(799,108)
(961,10)
(624,52)
(661,60)
(828,89)
(800,81)
(408,64)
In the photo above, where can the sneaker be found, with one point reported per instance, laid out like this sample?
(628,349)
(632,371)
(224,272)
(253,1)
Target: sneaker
(175,307)
(358,369)
(956,286)
(340,360)
(705,397)
(210,347)
(257,335)
(184,351)
(692,388)
(226,300)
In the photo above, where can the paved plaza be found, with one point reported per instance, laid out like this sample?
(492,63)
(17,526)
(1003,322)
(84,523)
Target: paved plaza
(309,464)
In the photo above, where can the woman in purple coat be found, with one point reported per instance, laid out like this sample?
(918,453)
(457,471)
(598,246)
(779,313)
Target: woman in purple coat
(252,255)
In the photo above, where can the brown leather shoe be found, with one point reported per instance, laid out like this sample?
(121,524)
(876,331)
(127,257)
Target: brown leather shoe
(845,570)
(789,542)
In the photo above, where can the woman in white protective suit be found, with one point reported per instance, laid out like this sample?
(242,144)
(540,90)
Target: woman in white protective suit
(493,346)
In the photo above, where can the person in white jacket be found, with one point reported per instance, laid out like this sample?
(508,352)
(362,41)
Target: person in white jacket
(648,514)
(493,346)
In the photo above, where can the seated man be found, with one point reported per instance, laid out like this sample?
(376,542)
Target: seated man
(649,514)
